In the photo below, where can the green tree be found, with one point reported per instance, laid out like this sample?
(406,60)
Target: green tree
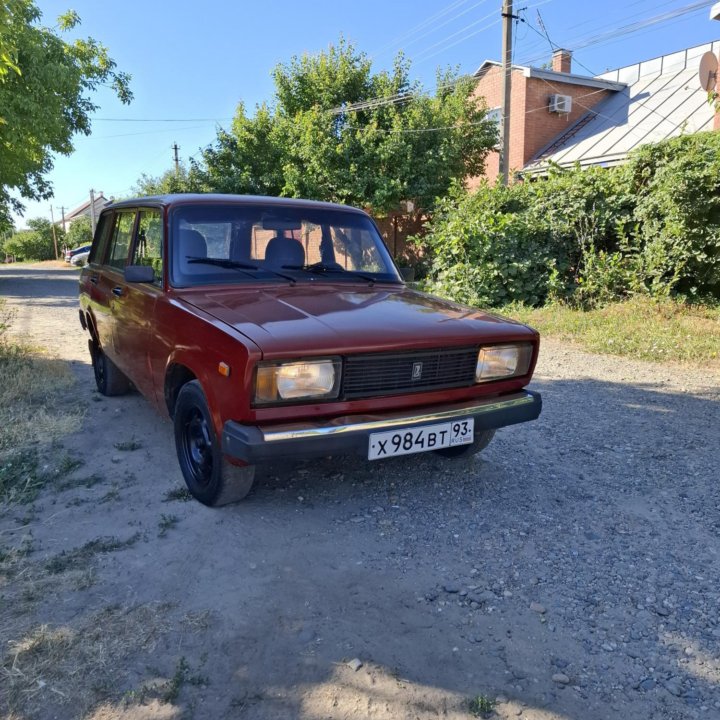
(312,142)
(170,182)
(45,88)
(79,233)
(35,243)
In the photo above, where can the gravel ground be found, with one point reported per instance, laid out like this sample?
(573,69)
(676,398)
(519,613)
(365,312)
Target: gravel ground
(569,572)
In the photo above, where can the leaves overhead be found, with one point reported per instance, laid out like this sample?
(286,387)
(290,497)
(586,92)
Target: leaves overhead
(311,143)
(46,84)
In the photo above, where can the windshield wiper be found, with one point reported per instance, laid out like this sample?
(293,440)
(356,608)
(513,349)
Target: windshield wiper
(236,265)
(320,268)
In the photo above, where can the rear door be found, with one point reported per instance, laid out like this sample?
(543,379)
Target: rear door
(92,298)
(112,288)
(135,308)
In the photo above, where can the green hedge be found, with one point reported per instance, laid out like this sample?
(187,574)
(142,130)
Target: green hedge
(589,236)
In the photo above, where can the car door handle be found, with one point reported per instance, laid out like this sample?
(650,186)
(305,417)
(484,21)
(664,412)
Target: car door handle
(94,279)
(117,291)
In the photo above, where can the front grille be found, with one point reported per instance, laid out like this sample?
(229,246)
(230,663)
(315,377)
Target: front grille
(378,374)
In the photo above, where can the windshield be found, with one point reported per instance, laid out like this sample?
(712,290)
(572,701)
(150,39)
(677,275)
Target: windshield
(239,243)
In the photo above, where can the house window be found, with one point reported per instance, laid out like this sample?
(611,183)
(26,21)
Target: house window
(495,114)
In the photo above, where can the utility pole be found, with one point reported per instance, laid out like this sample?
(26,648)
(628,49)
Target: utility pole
(92,210)
(507,18)
(62,211)
(52,220)
(177,159)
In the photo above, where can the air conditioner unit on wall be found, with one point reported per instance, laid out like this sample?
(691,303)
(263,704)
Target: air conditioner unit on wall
(560,103)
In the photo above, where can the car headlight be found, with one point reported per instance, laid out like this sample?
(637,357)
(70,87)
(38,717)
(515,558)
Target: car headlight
(306,379)
(503,361)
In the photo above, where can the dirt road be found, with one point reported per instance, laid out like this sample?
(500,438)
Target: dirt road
(570,572)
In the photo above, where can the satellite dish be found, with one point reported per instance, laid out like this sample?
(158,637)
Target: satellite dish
(708,71)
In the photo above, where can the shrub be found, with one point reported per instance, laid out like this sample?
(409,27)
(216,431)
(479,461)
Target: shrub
(36,243)
(484,252)
(586,236)
(677,188)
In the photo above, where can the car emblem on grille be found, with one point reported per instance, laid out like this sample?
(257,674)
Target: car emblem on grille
(417,371)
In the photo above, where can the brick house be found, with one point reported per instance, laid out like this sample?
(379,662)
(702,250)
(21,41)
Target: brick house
(559,116)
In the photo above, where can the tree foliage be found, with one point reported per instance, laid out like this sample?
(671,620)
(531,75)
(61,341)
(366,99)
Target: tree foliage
(79,233)
(310,143)
(45,97)
(35,243)
(587,236)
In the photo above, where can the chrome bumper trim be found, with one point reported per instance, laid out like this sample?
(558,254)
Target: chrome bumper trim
(399,420)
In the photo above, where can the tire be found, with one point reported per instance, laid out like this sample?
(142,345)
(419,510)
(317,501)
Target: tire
(481,441)
(208,474)
(108,378)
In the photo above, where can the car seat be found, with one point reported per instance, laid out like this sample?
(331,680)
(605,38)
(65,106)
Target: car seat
(192,245)
(281,251)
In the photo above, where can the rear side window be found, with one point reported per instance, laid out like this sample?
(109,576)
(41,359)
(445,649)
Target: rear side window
(100,241)
(120,240)
(149,243)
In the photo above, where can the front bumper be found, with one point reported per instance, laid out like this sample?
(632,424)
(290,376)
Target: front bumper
(339,436)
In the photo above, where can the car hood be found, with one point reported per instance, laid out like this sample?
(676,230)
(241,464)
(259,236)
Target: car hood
(312,319)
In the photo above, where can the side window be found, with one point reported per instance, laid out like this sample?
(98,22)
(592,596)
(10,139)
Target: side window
(120,240)
(100,241)
(149,243)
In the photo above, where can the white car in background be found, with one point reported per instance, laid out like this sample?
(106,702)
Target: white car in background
(80,259)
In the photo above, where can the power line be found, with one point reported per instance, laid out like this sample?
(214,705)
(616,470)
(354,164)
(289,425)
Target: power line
(373,103)
(553,46)
(393,43)
(455,34)
(104,119)
(146,132)
(535,46)
(422,57)
(588,41)
(464,12)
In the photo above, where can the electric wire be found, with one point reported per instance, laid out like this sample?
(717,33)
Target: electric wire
(616,33)
(392,44)
(446,22)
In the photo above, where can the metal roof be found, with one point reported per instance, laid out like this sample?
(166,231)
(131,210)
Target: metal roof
(555,76)
(663,99)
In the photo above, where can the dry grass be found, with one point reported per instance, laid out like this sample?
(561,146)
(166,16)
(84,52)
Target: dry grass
(33,407)
(654,330)
(63,666)
(34,411)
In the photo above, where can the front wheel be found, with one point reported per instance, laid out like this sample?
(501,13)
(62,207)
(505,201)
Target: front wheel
(479,443)
(210,477)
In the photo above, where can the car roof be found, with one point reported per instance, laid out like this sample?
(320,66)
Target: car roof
(220,198)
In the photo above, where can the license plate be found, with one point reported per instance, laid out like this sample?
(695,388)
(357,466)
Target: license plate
(415,440)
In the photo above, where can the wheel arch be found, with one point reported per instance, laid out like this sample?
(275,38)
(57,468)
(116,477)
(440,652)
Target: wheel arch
(177,374)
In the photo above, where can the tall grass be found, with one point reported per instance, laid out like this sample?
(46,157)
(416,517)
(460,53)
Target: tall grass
(656,330)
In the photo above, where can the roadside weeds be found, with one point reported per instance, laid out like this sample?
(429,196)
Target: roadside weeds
(640,328)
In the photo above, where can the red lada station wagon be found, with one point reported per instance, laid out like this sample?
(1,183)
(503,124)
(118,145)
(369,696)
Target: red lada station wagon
(274,328)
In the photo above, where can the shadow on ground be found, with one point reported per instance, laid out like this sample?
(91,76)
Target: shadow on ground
(582,547)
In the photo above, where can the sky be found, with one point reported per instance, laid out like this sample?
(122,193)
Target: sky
(192,62)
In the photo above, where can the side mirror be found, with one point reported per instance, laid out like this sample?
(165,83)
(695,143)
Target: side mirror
(407,274)
(139,274)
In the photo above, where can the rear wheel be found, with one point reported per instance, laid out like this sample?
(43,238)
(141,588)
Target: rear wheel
(480,442)
(209,475)
(108,378)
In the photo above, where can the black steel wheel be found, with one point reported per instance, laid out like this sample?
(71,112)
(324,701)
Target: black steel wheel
(108,378)
(210,477)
